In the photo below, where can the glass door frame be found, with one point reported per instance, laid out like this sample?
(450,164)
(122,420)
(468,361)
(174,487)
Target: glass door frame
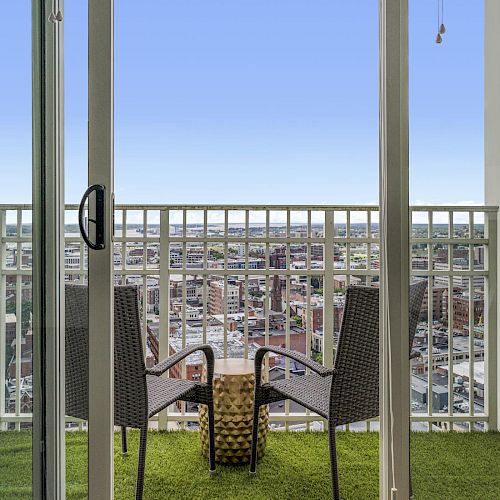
(101,279)
(48,249)
(394,454)
(48,252)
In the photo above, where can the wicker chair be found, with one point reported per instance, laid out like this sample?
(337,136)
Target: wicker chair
(350,391)
(139,393)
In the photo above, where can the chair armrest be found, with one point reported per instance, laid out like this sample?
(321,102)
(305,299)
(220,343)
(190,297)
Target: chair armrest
(163,366)
(415,354)
(297,356)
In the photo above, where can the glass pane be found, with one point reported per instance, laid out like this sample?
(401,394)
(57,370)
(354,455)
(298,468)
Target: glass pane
(260,233)
(16,327)
(446,182)
(76,252)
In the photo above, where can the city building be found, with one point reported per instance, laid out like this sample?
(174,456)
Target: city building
(217,293)
(439,303)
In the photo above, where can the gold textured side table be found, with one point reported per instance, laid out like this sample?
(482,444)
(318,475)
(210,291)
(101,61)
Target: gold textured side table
(234,381)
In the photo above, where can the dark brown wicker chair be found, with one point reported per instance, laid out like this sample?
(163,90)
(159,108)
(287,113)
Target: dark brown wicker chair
(350,391)
(139,393)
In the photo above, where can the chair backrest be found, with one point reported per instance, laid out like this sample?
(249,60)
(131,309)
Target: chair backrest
(77,351)
(130,389)
(355,385)
(355,389)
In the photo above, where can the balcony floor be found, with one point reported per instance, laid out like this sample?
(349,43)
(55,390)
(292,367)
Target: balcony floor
(445,465)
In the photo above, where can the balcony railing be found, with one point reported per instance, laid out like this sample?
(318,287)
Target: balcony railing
(242,276)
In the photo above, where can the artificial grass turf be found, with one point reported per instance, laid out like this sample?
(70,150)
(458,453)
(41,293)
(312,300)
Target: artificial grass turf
(445,466)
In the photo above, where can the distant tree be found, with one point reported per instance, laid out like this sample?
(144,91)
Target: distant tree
(317,356)
(26,309)
(216,255)
(257,253)
(298,319)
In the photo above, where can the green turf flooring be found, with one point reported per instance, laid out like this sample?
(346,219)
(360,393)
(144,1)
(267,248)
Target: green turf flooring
(445,466)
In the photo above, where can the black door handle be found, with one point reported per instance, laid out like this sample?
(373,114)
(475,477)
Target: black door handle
(100,219)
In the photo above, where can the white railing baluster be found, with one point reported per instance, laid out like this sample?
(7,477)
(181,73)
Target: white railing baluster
(287,309)
(164,306)
(245,307)
(369,245)
(307,326)
(124,244)
(184,299)
(472,332)
(19,314)
(226,248)
(144,281)
(451,292)
(328,289)
(266,293)
(491,348)
(348,247)
(430,318)
(205,278)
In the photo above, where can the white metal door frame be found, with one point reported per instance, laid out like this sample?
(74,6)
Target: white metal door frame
(101,358)
(394,246)
(48,251)
(492,195)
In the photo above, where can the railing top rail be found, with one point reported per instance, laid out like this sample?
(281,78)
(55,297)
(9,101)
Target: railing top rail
(454,208)
(415,208)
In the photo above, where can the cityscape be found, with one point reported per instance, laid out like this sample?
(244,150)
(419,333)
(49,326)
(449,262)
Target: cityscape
(242,285)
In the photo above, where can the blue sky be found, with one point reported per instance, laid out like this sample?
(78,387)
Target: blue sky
(257,101)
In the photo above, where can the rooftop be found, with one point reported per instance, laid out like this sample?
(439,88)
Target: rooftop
(216,338)
(462,370)
(10,318)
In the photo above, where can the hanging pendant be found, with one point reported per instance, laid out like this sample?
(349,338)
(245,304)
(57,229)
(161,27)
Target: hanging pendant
(439,38)
(442,29)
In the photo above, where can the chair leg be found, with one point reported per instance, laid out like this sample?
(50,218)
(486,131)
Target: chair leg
(124,441)
(211,436)
(333,461)
(139,488)
(255,431)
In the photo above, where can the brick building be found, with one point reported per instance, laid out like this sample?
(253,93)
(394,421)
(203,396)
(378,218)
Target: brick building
(216,298)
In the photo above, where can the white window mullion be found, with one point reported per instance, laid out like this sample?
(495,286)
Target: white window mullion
(492,197)
(394,246)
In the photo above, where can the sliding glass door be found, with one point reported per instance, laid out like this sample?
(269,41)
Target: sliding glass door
(88,247)
(19,338)
(56,292)
(56,287)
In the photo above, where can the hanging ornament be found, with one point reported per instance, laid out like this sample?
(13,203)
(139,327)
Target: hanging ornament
(440,21)
(442,28)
